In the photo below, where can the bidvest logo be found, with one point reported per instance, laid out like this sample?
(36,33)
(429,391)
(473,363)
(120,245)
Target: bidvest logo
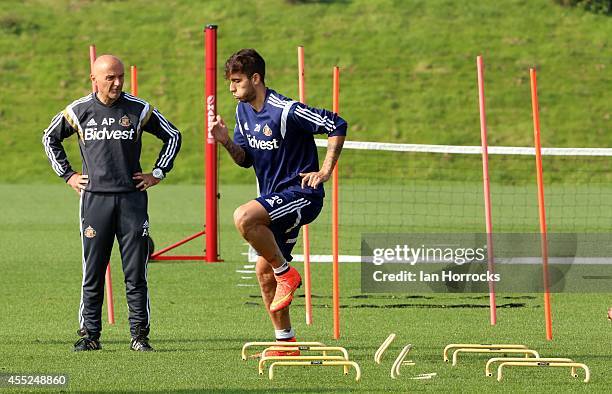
(261,144)
(92,133)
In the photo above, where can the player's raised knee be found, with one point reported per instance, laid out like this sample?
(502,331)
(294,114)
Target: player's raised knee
(243,219)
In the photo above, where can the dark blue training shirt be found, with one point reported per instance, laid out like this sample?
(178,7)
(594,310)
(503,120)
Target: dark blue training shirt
(279,141)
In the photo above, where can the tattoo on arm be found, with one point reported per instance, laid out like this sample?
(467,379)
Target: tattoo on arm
(334,147)
(235,151)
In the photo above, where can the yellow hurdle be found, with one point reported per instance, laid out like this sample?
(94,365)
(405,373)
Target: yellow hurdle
(424,376)
(516,359)
(323,349)
(278,344)
(263,360)
(395,369)
(315,363)
(479,346)
(378,354)
(526,352)
(534,363)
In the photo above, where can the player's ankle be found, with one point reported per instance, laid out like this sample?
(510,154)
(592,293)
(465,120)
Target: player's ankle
(285,335)
(281,269)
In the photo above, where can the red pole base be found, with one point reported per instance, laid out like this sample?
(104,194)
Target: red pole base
(159,255)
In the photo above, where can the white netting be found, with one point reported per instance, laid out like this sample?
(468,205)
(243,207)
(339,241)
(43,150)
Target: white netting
(397,188)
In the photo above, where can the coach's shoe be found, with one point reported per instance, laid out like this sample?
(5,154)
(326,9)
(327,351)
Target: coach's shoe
(286,285)
(140,344)
(85,344)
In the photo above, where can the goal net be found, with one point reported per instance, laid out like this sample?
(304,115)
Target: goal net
(409,188)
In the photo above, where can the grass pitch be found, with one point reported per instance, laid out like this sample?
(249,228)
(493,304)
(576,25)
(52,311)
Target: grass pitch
(201,317)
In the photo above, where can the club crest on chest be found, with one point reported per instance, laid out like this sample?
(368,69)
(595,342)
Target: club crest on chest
(267,131)
(125,121)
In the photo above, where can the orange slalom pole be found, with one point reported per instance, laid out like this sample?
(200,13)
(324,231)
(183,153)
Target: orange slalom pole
(306,234)
(134,80)
(92,59)
(541,206)
(335,274)
(110,304)
(486,186)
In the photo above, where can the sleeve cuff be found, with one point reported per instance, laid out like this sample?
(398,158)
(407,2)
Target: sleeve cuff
(68,174)
(339,132)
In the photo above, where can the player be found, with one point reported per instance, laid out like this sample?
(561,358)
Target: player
(112,190)
(274,134)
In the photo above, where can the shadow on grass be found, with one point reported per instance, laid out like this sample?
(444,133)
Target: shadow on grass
(409,297)
(176,345)
(435,306)
(401,306)
(266,390)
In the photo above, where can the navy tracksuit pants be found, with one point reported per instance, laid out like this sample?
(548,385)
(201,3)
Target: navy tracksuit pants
(105,216)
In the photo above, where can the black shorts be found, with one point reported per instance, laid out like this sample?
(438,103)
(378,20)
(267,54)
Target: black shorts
(288,212)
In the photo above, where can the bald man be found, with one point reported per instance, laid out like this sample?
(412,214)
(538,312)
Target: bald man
(112,190)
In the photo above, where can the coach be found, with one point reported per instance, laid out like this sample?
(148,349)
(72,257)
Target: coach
(112,190)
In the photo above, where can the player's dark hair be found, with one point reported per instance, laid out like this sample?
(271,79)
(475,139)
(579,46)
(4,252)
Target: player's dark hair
(246,61)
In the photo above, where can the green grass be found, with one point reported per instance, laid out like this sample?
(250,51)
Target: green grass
(201,318)
(408,68)
(408,75)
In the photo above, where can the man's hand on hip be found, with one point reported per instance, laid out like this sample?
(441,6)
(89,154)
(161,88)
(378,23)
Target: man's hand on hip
(78,182)
(146,180)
